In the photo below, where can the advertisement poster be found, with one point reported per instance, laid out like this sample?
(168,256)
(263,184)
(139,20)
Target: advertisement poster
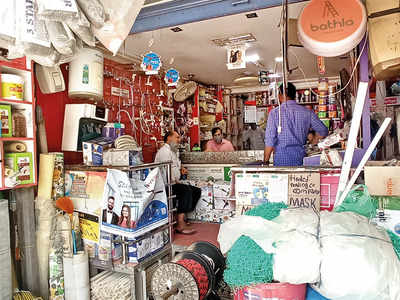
(86,192)
(255,189)
(131,208)
(236,57)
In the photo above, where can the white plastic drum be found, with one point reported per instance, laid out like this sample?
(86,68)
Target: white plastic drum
(86,75)
(332,27)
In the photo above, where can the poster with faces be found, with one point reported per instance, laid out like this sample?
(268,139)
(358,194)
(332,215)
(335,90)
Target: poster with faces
(236,57)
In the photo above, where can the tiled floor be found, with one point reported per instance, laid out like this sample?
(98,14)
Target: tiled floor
(205,232)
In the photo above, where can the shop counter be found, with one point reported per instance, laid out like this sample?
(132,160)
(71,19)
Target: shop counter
(308,187)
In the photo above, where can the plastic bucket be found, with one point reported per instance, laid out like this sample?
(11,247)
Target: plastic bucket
(272,291)
(12,87)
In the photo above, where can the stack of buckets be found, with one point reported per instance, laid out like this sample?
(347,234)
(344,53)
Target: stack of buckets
(327,108)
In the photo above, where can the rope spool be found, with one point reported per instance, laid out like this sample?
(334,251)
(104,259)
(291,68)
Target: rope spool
(192,275)
(214,255)
(199,273)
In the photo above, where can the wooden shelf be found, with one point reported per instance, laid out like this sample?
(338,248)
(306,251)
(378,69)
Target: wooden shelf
(18,186)
(23,68)
(15,139)
(15,101)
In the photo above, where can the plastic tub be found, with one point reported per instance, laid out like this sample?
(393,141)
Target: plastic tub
(281,291)
(12,87)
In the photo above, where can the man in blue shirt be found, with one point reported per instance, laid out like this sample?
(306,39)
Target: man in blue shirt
(287,130)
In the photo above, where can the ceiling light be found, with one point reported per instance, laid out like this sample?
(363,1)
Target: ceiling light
(279,59)
(235,40)
(176,29)
(251,15)
(252,58)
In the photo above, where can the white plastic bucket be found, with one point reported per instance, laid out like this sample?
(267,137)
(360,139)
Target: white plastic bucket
(12,87)
(86,75)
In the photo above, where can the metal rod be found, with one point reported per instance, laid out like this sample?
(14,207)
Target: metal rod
(364,160)
(172,291)
(124,251)
(125,168)
(170,202)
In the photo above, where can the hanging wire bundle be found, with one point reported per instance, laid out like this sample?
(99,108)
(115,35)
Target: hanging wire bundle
(247,263)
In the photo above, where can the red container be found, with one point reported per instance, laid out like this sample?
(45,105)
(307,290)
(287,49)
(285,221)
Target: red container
(272,291)
(329,182)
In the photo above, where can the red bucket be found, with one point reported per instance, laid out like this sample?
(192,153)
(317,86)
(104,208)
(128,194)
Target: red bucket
(272,291)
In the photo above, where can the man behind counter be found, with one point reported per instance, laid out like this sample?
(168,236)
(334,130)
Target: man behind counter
(218,143)
(287,139)
(187,196)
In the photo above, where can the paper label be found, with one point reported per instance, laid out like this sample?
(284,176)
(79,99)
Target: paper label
(304,190)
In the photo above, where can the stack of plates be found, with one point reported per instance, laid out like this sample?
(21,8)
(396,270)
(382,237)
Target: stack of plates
(126,142)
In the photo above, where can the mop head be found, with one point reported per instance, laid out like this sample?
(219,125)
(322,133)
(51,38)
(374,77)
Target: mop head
(395,241)
(247,263)
(65,204)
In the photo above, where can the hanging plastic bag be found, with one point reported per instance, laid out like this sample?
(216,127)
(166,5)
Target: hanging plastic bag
(61,37)
(57,10)
(94,11)
(360,202)
(119,24)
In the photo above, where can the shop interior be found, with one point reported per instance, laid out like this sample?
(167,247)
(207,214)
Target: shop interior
(95,123)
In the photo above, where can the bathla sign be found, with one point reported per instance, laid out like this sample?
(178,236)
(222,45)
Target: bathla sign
(332,27)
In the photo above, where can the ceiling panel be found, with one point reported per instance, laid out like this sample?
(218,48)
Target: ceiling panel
(193,51)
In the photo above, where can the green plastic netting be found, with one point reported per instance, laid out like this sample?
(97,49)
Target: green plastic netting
(247,263)
(395,241)
(267,211)
(360,202)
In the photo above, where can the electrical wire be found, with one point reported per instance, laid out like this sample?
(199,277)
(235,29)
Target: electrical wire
(351,76)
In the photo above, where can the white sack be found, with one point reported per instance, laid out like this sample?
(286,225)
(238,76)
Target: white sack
(298,255)
(94,11)
(57,10)
(61,37)
(121,19)
(358,260)
(262,231)
(7,22)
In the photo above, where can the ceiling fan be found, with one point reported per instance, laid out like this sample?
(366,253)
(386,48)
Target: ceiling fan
(185,91)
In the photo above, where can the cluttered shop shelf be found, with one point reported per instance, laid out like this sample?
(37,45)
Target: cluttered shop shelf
(18,128)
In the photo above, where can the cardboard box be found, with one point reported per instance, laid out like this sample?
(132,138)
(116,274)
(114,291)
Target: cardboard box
(255,189)
(22,164)
(6,120)
(93,150)
(384,47)
(122,158)
(374,6)
(113,130)
(382,180)
(389,219)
